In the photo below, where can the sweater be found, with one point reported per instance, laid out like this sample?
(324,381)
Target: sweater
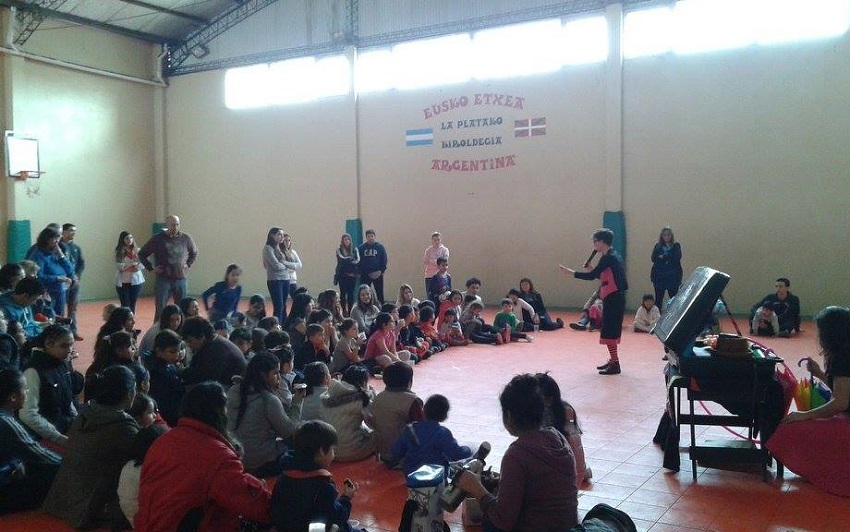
(537,491)
(342,407)
(22,315)
(392,410)
(51,268)
(166,387)
(175,254)
(263,423)
(226,297)
(429,259)
(373,258)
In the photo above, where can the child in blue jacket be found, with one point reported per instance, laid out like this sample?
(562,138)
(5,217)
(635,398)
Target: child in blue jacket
(428,442)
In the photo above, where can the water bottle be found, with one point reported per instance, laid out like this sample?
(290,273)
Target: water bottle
(453,496)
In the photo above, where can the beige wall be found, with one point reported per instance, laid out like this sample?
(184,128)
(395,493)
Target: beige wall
(744,154)
(741,152)
(234,174)
(96,143)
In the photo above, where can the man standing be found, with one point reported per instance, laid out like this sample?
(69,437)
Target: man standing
(373,264)
(174,252)
(75,255)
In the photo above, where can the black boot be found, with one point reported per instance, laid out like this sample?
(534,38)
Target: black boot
(611,369)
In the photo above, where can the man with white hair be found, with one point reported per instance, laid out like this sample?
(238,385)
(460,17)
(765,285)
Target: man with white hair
(173,253)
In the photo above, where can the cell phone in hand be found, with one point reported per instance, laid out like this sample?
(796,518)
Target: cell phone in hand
(348,483)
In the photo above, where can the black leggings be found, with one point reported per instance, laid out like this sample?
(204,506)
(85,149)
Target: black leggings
(346,293)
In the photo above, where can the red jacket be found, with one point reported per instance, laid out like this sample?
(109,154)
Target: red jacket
(193,466)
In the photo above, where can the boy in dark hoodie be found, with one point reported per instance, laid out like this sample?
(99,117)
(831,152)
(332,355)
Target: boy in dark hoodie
(428,442)
(305,492)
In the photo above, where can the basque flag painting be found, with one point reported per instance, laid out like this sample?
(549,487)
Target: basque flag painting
(419,137)
(530,127)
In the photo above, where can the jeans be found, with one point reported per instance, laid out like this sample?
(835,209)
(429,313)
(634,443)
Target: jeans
(279,290)
(166,288)
(72,299)
(128,294)
(57,296)
(346,293)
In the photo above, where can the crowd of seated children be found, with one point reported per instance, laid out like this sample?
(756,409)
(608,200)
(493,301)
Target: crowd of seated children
(427,442)
(647,315)
(345,406)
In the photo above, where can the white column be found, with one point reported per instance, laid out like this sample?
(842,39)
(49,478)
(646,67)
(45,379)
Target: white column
(614,110)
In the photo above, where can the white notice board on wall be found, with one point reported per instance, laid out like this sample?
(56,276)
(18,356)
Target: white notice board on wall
(22,155)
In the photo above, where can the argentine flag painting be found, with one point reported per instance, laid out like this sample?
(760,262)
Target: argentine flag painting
(419,137)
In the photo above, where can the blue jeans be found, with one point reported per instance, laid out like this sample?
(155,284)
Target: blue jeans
(279,291)
(72,299)
(128,294)
(166,288)
(57,297)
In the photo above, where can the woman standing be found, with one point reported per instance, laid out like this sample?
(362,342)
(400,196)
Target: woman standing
(666,274)
(347,260)
(277,273)
(429,260)
(813,444)
(292,262)
(129,277)
(55,271)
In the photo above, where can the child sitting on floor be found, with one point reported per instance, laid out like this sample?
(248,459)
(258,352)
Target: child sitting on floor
(475,328)
(305,491)
(507,323)
(765,322)
(450,330)
(128,482)
(427,442)
(394,408)
(647,315)
(426,323)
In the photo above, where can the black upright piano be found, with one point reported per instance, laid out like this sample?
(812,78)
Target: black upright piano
(744,386)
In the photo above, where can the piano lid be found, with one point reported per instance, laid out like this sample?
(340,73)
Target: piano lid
(687,312)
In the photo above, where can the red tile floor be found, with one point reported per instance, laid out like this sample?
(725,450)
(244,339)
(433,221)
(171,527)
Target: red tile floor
(619,415)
